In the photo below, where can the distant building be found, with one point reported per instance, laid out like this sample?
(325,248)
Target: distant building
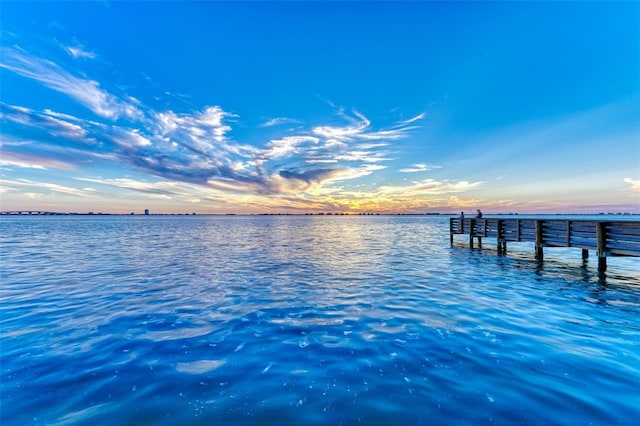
(146,212)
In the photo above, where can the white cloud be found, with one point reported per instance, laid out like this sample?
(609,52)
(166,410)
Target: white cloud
(635,183)
(364,156)
(33,195)
(24,183)
(86,92)
(429,187)
(7,160)
(416,118)
(420,167)
(286,146)
(31,161)
(58,125)
(321,161)
(196,129)
(359,129)
(158,196)
(131,138)
(279,121)
(164,189)
(79,52)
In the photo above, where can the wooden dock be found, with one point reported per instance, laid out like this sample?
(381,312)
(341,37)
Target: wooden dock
(605,237)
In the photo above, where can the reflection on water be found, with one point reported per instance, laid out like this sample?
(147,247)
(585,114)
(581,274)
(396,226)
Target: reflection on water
(307,320)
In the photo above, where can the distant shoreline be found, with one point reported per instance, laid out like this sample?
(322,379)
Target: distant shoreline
(523,215)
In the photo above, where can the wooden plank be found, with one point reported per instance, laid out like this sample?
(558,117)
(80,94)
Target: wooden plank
(576,227)
(557,241)
(585,247)
(591,241)
(623,245)
(623,237)
(555,244)
(631,232)
(583,234)
(623,252)
(554,227)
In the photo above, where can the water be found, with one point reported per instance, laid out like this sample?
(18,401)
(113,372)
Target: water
(307,320)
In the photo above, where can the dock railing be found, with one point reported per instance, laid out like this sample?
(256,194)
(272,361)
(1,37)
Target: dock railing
(605,237)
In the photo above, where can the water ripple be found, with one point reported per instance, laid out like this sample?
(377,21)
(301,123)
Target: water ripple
(306,320)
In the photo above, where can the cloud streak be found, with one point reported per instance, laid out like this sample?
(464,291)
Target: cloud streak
(78,51)
(86,92)
(21,184)
(421,167)
(635,183)
(278,121)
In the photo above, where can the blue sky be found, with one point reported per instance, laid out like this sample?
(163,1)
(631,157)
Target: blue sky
(302,107)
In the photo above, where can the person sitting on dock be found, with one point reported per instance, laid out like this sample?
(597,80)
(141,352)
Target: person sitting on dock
(461,215)
(479,214)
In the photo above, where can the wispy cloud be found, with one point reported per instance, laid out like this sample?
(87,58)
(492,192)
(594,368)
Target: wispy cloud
(417,196)
(45,186)
(359,128)
(162,189)
(412,119)
(635,183)
(77,51)
(420,167)
(287,146)
(86,92)
(280,121)
(27,161)
(429,187)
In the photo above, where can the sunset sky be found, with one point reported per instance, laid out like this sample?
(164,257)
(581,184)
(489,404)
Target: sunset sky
(303,107)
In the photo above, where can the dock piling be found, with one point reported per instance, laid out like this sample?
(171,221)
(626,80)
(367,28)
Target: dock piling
(539,241)
(601,237)
(472,230)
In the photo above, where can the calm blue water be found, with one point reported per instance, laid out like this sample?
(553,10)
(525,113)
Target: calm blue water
(305,320)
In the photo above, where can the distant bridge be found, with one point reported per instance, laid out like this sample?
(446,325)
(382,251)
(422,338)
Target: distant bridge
(606,238)
(33,213)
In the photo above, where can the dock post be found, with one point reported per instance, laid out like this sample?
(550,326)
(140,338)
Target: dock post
(585,254)
(601,237)
(500,237)
(539,240)
(451,230)
(472,228)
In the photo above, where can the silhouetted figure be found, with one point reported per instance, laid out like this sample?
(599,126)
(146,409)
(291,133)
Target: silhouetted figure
(479,214)
(461,215)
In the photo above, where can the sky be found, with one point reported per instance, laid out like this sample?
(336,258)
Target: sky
(308,107)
